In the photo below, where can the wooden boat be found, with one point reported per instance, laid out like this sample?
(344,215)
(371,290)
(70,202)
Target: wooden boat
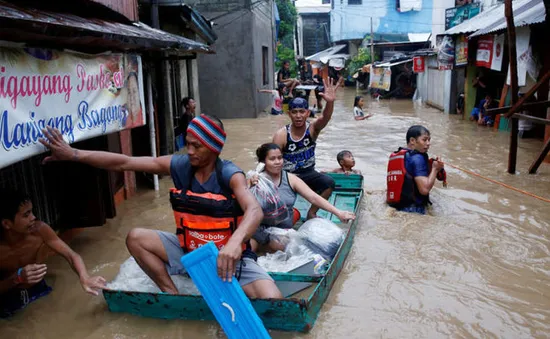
(293,313)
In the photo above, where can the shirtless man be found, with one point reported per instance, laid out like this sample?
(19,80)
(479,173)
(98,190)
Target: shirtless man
(24,245)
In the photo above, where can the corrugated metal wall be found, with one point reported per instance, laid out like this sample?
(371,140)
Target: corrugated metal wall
(435,94)
(30,176)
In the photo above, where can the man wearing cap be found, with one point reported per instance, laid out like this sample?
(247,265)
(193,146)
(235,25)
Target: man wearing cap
(298,139)
(158,253)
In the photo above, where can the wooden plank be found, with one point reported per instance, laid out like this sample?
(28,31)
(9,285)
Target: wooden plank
(513,154)
(529,106)
(519,103)
(531,118)
(535,165)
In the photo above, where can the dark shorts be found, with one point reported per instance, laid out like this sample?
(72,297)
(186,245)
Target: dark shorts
(249,269)
(318,182)
(414,209)
(18,298)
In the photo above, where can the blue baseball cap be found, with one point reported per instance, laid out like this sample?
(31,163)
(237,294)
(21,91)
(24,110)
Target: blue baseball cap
(298,103)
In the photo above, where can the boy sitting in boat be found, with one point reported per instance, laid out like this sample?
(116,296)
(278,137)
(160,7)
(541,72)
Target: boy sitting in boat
(210,202)
(347,162)
(297,140)
(24,245)
(411,175)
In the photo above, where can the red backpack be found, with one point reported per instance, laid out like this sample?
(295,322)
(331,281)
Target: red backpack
(400,184)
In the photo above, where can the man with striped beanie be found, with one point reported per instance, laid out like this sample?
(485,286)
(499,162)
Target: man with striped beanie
(202,173)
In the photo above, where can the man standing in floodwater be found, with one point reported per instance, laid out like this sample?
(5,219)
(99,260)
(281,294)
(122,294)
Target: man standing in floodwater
(208,192)
(411,174)
(297,140)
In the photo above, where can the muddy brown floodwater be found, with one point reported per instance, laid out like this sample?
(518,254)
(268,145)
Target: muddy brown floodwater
(477,266)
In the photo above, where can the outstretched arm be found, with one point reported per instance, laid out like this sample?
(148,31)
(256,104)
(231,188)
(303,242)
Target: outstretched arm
(265,91)
(329,95)
(315,199)
(91,285)
(61,151)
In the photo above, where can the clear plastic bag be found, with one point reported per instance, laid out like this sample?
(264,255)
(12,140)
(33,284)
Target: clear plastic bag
(265,191)
(322,236)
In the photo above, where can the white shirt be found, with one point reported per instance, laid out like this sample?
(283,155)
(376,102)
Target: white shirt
(358,112)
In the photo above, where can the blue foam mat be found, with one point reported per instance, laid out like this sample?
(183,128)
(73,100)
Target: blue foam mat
(226,300)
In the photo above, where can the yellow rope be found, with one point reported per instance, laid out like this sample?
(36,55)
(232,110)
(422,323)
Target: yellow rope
(499,183)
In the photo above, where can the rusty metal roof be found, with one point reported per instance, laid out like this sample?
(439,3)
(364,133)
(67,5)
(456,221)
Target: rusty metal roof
(530,13)
(38,26)
(526,12)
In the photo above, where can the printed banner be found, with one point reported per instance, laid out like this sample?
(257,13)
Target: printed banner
(461,50)
(457,15)
(498,53)
(446,53)
(522,50)
(484,54)
(419,65)
(380,78)
(82,95)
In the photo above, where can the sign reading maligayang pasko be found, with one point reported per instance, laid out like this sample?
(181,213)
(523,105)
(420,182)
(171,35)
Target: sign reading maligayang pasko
(82,95)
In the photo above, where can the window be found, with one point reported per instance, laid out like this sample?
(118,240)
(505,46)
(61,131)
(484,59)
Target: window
(326,2)
(355,2)
(265,65)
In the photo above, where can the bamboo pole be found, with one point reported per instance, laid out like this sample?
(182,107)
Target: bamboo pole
(513,154)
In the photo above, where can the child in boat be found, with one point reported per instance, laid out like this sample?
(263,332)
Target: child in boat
(347,162)
(24,245)
(358,109)
(278,96)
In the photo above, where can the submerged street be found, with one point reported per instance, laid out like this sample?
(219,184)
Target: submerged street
(477,266)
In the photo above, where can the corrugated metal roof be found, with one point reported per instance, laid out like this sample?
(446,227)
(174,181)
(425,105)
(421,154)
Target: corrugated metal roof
(33,25)
(327,52)
(494,17)
(390,64)
(532,12)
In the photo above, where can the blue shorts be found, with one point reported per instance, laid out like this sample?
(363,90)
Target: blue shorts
(475,113)
(18,298)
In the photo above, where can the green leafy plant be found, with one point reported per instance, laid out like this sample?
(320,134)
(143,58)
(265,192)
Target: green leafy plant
(285,44)
(285,53)
(362,58)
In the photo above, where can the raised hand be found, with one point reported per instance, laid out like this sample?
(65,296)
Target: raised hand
(330,89)
(53,140)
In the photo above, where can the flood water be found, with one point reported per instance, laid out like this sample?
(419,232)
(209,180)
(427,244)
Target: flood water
(477,266)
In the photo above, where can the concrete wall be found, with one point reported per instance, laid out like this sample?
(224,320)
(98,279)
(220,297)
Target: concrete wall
(353,21)
(229,79)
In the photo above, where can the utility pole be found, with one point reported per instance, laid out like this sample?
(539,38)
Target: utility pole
(371,42)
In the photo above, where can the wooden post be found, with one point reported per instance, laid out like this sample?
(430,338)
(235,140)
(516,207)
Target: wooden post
(535,166)
(512,156)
